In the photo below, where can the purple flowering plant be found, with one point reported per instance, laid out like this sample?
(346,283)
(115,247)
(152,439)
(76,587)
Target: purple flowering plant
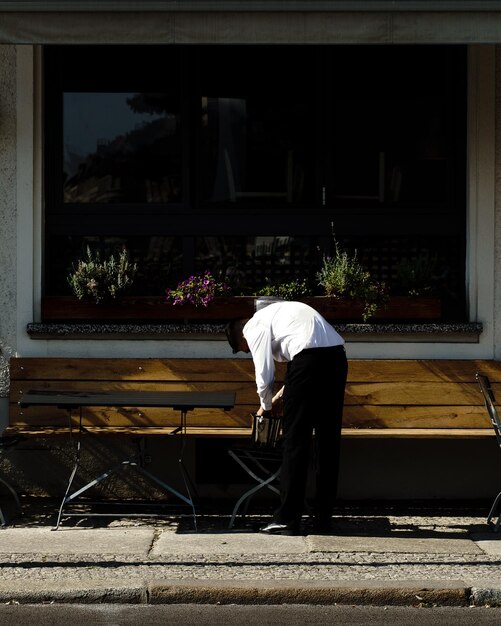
(198,290)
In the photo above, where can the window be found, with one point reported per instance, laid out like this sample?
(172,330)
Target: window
(248,168)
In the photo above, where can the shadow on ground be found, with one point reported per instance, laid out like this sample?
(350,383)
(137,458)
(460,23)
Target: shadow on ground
(376,519)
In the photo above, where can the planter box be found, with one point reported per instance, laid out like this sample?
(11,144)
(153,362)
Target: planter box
(397,308)
(69,308)
(411,308)
(138,309)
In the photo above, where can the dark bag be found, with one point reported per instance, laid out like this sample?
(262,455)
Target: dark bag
(265,430)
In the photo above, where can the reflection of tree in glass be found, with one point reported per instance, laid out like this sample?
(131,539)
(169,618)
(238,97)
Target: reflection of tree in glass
(141,165)
(159,103)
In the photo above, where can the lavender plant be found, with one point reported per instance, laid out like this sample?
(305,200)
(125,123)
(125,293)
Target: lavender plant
(344,275)
(99,279)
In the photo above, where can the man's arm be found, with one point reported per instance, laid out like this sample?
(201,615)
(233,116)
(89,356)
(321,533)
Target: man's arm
(276,405)
(258,337)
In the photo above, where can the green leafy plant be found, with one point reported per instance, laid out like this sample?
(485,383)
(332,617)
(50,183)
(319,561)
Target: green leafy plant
(417,276)
(198,290)
(292,290)
(102,279)
(342,275)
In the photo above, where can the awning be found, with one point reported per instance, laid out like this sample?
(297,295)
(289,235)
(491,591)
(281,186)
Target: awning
(250,22)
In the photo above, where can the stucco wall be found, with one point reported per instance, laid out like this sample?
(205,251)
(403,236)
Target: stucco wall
(8,227)
(497,248)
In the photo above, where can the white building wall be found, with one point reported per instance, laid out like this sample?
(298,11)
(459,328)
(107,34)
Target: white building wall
(496,286)
(8,198)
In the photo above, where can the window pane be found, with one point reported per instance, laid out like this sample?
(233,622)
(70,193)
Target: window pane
(121,148)
(392,127)
(257,126)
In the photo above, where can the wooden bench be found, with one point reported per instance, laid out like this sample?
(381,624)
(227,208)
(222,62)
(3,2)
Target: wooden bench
(384,398)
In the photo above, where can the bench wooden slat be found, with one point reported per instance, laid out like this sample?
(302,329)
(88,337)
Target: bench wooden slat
(419,370)
(245,390)
(402,394)
(360,370)
(359,433)
(373,416)
(423,433)
(128,416)
(413,393)
(134,431)
(94,369)
(356,393)
(354,416)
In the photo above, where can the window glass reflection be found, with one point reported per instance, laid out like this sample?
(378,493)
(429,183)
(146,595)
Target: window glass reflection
(257,139)
(120,147)
(252,159)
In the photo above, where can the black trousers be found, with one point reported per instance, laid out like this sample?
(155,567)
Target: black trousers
(313,399)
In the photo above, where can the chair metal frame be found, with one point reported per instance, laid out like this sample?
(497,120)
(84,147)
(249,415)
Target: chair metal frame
(262,462)
(253,462)
(490,405)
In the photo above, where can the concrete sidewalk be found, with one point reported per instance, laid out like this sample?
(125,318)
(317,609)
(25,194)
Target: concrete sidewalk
(376,556)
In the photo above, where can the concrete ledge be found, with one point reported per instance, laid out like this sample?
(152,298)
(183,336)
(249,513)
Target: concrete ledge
(452,332)
(73,591)
(405,593)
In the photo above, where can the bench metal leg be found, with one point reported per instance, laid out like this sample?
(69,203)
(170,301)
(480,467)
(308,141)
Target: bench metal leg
(186,499)
(137,464)
(105,475)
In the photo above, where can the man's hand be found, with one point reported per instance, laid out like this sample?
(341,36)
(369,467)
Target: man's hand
(261,411)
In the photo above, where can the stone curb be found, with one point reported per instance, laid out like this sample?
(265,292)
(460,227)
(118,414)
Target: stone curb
(73,592)
(452,593)
(485,597)
(376,593)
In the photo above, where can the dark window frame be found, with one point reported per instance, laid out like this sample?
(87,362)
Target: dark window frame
(191,217)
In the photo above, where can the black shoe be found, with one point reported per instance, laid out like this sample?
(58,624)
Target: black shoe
(273,528)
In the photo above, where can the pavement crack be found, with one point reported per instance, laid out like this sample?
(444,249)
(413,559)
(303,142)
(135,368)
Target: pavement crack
(156,535)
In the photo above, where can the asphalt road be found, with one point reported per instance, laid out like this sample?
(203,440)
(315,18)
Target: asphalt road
(244,615)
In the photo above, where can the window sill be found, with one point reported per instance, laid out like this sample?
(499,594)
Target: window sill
(460,332)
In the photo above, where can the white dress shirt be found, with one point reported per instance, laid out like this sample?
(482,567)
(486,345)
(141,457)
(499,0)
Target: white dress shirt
(279,332)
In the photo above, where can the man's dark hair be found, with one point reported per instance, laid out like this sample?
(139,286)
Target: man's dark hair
(234,332)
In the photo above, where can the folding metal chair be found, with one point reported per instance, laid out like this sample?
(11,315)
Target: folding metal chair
(489,400)
(261,460)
